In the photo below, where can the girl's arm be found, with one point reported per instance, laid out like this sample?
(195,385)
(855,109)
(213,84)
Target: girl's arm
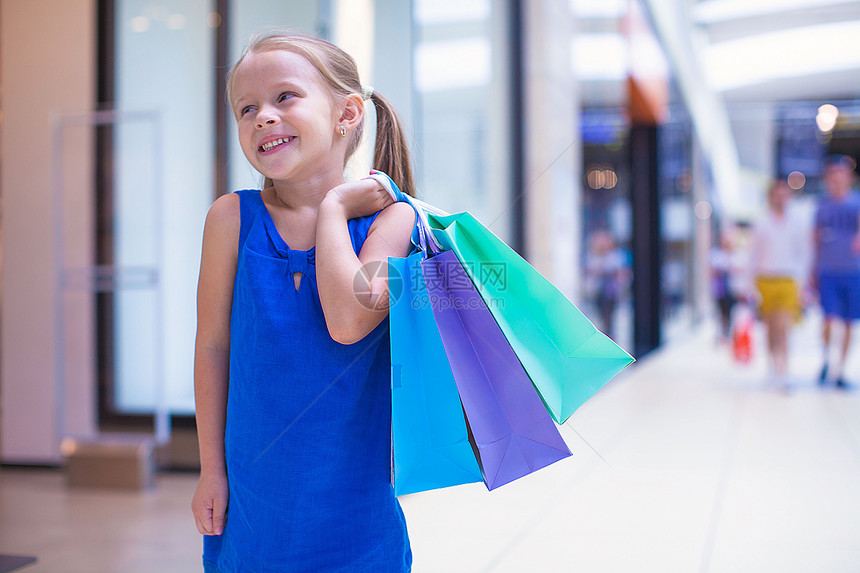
(354,289)
(211,359)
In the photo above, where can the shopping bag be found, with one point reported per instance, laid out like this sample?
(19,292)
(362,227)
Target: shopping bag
(430,445)
(566,357)
(742,334)
(512,430)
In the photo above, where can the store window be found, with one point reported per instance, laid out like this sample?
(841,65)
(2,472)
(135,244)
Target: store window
(162,64)
(607,225)
(677,230)
(163,61)
(633,217)
(599,54)
(462,145)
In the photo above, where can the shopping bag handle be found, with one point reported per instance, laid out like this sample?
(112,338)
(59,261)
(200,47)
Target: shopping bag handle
(422,236)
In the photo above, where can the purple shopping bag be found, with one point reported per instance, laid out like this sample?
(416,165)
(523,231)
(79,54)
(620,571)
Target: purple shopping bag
(512,430)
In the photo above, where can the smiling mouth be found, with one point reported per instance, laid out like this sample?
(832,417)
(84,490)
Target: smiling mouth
(275,143)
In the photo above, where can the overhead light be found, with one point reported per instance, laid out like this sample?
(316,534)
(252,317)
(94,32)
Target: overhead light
(139,24)
(595,178)
(176,22)
(796,180)
(703,210)
(602,178)
(610,179)
(826,118)
(600,57)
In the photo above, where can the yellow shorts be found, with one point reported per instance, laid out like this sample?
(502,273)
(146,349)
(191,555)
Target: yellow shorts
(778,293)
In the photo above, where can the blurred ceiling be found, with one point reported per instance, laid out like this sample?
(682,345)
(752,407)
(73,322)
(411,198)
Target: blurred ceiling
(746,50)
(776,50)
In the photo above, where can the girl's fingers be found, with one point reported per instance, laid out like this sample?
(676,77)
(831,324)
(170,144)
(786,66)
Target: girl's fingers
(203,519)
(218,515)
(201,525)
(363,197)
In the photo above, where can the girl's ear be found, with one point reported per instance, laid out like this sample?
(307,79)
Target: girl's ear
(352,111)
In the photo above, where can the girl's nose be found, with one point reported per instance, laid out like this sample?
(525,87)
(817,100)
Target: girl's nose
(264,119)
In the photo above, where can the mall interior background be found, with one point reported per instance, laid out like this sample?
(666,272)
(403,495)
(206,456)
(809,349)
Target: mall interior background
(641,128)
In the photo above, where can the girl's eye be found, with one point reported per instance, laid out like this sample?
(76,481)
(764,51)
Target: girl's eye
(246,109)
(284,96)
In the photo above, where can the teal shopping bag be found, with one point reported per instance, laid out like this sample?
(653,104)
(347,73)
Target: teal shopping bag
(566,357)
(430,443)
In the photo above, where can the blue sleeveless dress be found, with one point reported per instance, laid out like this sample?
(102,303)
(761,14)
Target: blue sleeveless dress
(308,431)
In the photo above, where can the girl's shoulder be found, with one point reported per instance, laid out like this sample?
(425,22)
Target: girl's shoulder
(244,193)
(227,204)
(397,215)
(224,214)
(395,221)
(392,228)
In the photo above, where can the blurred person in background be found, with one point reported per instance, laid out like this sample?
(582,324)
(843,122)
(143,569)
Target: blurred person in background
(726,267)
(837,261)
(779,261)
(606,276)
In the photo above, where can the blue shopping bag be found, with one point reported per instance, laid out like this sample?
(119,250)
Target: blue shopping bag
(430,444)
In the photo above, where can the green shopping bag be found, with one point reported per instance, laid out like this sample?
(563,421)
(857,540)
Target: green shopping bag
(566,357)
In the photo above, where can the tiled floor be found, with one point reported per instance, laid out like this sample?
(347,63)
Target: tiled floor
(686,463)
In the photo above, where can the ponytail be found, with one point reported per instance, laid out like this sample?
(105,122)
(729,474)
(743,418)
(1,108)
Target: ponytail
(390,152)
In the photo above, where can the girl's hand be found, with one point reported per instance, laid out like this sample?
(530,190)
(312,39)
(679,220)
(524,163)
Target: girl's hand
(360,198)
(209,504)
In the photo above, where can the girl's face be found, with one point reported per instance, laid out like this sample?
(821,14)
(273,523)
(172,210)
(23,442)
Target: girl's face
(287,120)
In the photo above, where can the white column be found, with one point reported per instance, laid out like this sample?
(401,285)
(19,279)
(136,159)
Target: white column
(552,145)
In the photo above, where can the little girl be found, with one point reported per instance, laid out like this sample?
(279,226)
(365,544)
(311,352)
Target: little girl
(292,354)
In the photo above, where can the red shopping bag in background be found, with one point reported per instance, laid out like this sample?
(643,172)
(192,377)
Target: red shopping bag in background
(742,342)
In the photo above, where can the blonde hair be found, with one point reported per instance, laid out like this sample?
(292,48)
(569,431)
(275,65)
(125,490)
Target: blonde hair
(340,74)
